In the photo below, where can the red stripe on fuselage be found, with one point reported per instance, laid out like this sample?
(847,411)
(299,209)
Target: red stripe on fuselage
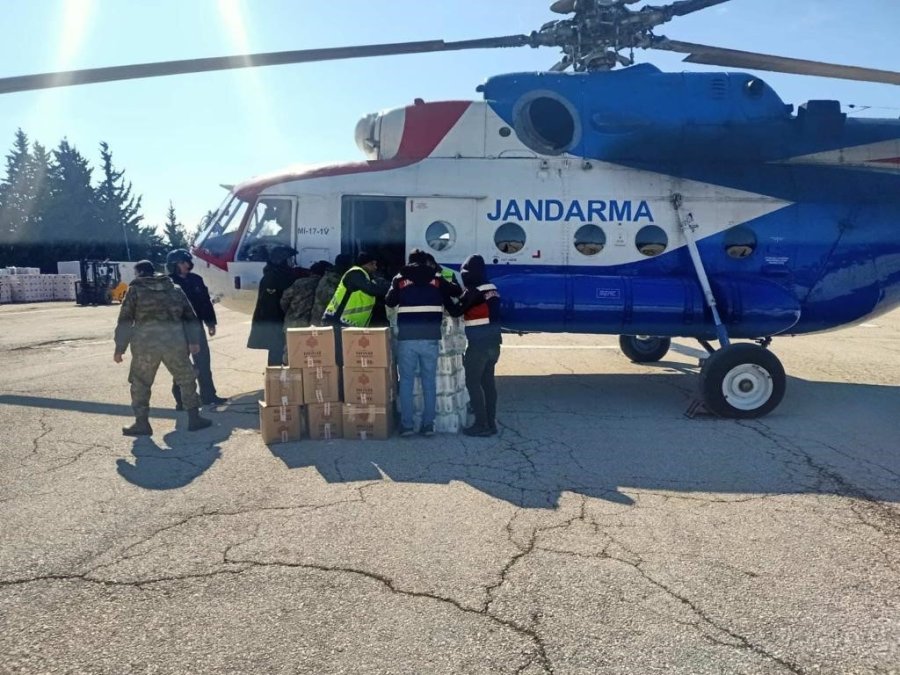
(425,126)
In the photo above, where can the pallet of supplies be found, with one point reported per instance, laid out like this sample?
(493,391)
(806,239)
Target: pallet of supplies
(310,347)
(321,384)
(280,423)
(284,386)
(366,347)
(367,422)
(325,421)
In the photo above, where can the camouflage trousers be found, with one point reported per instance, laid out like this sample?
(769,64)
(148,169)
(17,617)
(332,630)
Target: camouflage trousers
(144,365)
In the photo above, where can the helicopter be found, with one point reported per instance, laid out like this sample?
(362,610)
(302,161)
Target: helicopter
(606,196)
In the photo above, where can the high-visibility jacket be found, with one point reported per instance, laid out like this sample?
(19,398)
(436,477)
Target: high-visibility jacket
(357,308)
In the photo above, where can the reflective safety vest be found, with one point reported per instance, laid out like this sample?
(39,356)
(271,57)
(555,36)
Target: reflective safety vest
(357,308)
(480,315)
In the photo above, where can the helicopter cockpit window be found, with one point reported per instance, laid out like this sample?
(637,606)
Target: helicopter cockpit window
(510,238)
(220,236)
(651,240)
(271,224)
(740,242)
(590,240)
(440,235)
(547,124)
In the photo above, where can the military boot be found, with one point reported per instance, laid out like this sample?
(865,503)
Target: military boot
(195,422)
(141,427)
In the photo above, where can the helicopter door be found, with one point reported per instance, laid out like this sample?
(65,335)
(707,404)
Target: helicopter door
(376,225)
(442,226)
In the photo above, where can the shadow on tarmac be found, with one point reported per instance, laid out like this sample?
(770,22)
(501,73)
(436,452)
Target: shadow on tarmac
(596,434)
(587,434)
(182,456)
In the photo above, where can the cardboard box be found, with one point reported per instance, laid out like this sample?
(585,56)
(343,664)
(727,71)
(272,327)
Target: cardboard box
(280,423)
(284,386)
(366,347)
(369,386)
(310,347)
(368,423)
(325,421)
(320,385)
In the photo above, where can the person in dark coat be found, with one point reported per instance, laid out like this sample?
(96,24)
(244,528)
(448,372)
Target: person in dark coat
(480,307)
(267,328)
(179,264)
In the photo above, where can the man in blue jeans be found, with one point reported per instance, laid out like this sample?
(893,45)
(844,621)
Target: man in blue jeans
(420,295)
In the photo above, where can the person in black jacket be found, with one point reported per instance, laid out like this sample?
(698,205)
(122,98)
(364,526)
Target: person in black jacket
(267,327)
(480,307)
(179,264)
(420,295)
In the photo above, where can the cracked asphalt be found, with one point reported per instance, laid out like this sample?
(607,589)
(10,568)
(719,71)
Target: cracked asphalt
(601,532)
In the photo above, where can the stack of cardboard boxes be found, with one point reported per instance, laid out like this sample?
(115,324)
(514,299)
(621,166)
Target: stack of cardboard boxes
(27,284)
(304,399)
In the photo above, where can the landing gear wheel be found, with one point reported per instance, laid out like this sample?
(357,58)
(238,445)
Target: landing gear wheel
(644,349)
(742,381)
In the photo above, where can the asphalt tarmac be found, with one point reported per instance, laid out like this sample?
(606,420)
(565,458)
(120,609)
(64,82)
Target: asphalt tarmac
(602,531)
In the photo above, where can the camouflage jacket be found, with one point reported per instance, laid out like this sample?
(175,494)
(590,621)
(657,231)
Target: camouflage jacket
(324,292)
(156,314)
(297,302)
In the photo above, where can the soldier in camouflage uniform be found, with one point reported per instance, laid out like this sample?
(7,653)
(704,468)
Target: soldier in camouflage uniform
(327,286)
(157,321)
(297,301)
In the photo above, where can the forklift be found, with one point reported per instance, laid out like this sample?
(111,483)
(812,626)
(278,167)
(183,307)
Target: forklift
(101,283)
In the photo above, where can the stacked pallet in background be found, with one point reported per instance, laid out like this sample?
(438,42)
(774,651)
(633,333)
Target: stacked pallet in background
(27,284)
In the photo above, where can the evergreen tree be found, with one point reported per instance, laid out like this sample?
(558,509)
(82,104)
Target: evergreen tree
(119,219)
(174,231)
(68,229)
(15,200)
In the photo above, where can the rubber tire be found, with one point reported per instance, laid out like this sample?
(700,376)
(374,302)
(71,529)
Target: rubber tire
(723,361)
(644,351)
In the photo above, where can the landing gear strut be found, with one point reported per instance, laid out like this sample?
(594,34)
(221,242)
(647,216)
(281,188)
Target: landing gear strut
(738,380)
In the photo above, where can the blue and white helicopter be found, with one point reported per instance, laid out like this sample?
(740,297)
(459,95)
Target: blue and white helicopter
(631,202)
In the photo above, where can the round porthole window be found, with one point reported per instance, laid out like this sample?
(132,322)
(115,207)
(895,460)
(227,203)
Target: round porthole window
(547,124)
(651,240)
(590,240)
(740,242)
(509,238)
(440,235)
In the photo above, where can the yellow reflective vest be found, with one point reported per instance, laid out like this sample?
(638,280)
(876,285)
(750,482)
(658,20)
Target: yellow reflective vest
(358,308)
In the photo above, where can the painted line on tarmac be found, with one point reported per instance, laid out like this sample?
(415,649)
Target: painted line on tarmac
(505,347)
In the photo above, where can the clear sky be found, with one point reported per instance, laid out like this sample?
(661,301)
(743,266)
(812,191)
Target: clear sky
(179,137)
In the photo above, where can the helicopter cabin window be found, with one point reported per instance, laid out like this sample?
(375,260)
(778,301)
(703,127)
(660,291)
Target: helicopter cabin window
(376,225)
(651,240)
(271,224)
(220,236)
(546,124)
(510,238)
(740,242)
(590,240)
(440,235)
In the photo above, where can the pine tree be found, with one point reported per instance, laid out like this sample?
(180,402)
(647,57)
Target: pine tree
(15,200)
(119,218)
(174,231)
(68,229)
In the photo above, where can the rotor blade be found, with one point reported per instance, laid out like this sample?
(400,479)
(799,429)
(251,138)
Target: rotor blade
(683,7)
(732,58)
(140,70)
